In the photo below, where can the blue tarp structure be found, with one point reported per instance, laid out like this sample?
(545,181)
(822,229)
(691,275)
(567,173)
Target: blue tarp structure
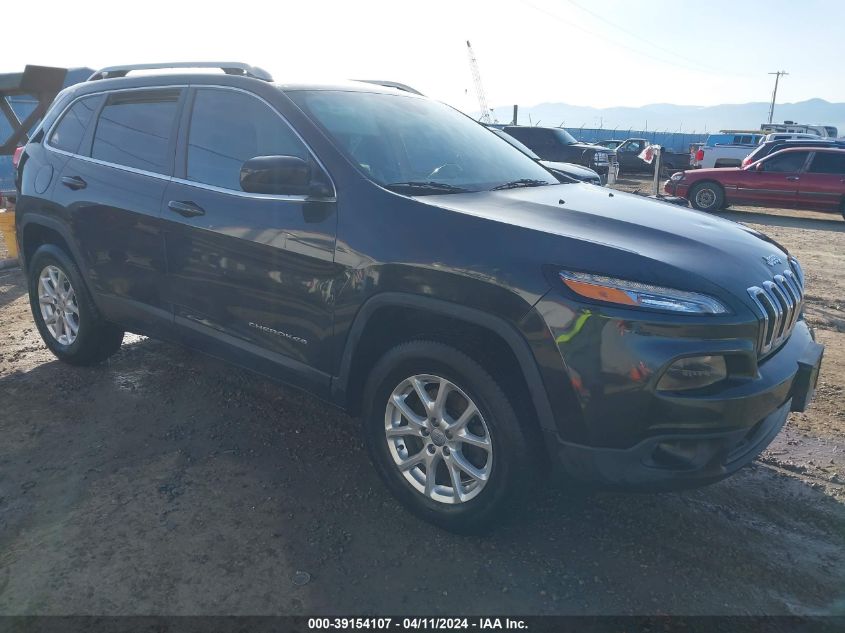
(23,105)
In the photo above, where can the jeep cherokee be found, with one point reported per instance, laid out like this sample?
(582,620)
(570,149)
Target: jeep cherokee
(490,325)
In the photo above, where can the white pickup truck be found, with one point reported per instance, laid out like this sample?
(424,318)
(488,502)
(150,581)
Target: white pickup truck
(726,149)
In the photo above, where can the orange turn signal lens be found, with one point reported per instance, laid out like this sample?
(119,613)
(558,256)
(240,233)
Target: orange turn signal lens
(599,293)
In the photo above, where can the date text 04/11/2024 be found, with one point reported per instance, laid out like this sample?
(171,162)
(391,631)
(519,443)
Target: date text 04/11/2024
(414,624)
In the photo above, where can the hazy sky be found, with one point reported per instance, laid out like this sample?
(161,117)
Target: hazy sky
(608,53)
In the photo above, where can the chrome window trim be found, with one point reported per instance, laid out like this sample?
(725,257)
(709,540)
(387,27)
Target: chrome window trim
(199,185)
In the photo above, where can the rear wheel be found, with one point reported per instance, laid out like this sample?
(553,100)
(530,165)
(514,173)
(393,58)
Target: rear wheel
(707,196)
(63,311)
(444,437)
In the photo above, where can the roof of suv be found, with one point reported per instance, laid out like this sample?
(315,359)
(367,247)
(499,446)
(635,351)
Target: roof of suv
(233,73)
(818,150)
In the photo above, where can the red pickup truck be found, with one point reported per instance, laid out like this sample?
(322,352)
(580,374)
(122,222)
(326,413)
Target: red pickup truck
(798,177)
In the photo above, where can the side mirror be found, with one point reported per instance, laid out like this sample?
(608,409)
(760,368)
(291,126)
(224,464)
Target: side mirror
(278,175)
(759,166)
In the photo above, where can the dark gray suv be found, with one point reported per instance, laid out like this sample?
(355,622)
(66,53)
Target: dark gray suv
(488,323)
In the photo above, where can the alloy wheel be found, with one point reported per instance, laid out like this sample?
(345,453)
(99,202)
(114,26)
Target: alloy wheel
(705,198)
(438,439)
(58,304)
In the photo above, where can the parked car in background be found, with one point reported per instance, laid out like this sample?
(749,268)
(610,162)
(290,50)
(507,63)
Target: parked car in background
(557,145)
(823,131)
(488,323)
(770,147)
(565,172)
(727,149)
(783,136)
(799,177)
(628,157)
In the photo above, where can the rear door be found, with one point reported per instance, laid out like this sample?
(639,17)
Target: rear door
(822,185)
(775,184)
(111,188)
(251,277)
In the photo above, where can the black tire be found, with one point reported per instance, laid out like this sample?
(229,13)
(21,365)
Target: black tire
(707,196)
(511,469)
(96,339)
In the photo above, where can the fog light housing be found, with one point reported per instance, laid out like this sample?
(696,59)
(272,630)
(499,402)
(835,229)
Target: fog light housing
(693,372)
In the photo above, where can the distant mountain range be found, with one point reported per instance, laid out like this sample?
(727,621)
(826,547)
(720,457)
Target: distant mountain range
(666,116)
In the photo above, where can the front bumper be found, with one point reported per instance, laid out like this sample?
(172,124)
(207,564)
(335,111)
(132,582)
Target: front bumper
(676,188)
(618,429)
(689,457)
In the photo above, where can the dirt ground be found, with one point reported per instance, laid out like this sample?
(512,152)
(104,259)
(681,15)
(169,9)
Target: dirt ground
(164,482)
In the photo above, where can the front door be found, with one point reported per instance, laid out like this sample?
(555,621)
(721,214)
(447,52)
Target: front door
(251,276)
(822,185)
(628,156)
(774,184)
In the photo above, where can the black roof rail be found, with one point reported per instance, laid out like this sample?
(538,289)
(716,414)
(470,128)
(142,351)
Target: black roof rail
(391,84)
(230,68)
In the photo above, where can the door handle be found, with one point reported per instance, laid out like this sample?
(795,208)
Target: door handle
(793,178)
(185,209)
(74,182)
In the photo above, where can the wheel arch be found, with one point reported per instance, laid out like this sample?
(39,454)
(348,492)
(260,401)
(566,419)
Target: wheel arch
(36,229)
(388,319)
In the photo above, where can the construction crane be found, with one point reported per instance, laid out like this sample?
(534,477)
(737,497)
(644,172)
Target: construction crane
(486,116)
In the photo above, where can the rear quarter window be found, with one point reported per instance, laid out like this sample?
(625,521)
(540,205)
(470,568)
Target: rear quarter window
(74,123)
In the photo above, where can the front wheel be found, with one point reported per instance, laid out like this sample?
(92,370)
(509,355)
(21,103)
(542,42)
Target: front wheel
(707,196)
(63,311)
(444,437)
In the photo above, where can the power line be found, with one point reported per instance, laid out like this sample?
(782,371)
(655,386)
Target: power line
(604,37)
(636,35)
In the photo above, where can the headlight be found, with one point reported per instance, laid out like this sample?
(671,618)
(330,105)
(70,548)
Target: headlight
(636,294)
(678,175)
(693,373)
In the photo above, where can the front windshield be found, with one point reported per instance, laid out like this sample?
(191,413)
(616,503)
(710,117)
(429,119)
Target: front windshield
(565,137)
(402,141)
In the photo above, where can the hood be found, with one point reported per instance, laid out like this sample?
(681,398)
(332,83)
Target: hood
(714,172)
(576,171)
(597,230)
(594,148)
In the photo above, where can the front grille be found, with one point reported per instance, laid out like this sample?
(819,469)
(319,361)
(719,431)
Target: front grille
(779,303)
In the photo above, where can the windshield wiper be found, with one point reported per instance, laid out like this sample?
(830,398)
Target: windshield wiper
(522,182)
(430,186)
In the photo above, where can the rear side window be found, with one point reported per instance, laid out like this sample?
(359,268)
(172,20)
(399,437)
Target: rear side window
(789,162)
(69,132)
(828,163)
(227,129)
(135,129)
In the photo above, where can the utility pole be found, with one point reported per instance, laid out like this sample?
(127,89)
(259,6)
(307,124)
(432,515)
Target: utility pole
(775,92)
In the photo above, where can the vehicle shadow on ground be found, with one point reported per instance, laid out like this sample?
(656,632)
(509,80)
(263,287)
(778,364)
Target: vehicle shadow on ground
(11,286)
(166,482)
(769,219)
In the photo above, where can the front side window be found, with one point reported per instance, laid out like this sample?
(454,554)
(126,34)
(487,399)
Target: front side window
(69,132)
(398,139)
(828,163)
(785,163)
(227,129)
(135,129)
